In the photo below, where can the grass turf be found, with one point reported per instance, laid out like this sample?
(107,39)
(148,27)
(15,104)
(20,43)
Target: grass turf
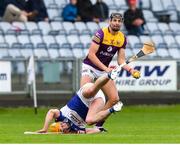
(135,124)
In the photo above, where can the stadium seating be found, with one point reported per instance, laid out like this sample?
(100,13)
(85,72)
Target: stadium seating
(10,39)
(48,2)
(174,53)
(44,27)
(82,28)
(153,28)
(103,24)
(5,26)
(4,50)
(57,28)
(92,26)
(53,50)
(134,41)
(48,39)
(74,41)
(85,40)
(177,38)
(149,16)
(27,50)
(78,35)
(170,41)
(157,6)
(146,4)
(164,28)
(53,13)
(111,4)
(70,28)
(36,39)
(65,39)
(62,41)
(23,39)
(31,26)
(129,52)
(175,27)
(176,3)
(65,52)
(121,4)
(14,50)
(168,5)
(60,3)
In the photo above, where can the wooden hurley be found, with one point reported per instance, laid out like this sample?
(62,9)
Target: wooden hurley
(148,48)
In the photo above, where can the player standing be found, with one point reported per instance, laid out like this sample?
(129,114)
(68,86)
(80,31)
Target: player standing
(105,43)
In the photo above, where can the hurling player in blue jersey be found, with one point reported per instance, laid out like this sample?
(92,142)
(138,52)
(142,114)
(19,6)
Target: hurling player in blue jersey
(106,42)
(80,110)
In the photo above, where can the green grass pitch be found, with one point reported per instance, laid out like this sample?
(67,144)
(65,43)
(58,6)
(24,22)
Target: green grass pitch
(135,124)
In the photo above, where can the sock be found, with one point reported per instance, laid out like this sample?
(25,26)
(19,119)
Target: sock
(100,124)
(111,110)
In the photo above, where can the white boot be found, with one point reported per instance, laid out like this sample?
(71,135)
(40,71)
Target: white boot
(118,106)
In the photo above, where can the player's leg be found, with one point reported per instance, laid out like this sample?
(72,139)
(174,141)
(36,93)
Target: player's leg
(87,75)
(91,90)
(95,114)
(85,79)
(111,92)
(51,114)
(95,107)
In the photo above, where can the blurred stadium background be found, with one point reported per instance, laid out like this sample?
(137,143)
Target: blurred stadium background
(59,48)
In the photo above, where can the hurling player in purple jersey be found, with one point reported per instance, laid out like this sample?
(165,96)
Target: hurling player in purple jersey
(105,44)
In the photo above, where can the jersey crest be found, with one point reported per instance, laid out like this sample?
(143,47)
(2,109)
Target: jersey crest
(109,49)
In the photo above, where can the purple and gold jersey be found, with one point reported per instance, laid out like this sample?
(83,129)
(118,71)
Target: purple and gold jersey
(109,44)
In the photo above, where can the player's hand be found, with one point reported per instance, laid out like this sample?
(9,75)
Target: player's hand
(109,69)
(41,131)
(136,74)
(113,74)
(113,66)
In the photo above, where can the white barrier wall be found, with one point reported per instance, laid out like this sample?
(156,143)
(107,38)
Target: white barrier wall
(155,76)
(5,76)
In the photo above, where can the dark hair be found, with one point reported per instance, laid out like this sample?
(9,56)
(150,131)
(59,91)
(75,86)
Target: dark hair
(117,15)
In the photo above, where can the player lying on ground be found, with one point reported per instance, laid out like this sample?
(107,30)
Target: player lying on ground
(84,108)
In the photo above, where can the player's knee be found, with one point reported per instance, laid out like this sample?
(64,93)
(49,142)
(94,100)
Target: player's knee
(89,120)
(90,91)
(9,7)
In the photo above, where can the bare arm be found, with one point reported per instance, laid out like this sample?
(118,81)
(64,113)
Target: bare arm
(122,59)
(94,59)
(51,114)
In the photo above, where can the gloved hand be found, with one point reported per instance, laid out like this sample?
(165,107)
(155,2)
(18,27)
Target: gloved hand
(136,74)
(113,74)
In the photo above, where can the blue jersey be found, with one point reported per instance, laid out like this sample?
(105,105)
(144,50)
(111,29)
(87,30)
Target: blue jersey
(75,111)
(77,108)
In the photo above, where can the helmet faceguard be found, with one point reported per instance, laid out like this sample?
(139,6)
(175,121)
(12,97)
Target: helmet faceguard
(117,15)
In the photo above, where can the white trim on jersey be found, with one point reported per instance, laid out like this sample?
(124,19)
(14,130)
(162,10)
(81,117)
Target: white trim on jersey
(73,116)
